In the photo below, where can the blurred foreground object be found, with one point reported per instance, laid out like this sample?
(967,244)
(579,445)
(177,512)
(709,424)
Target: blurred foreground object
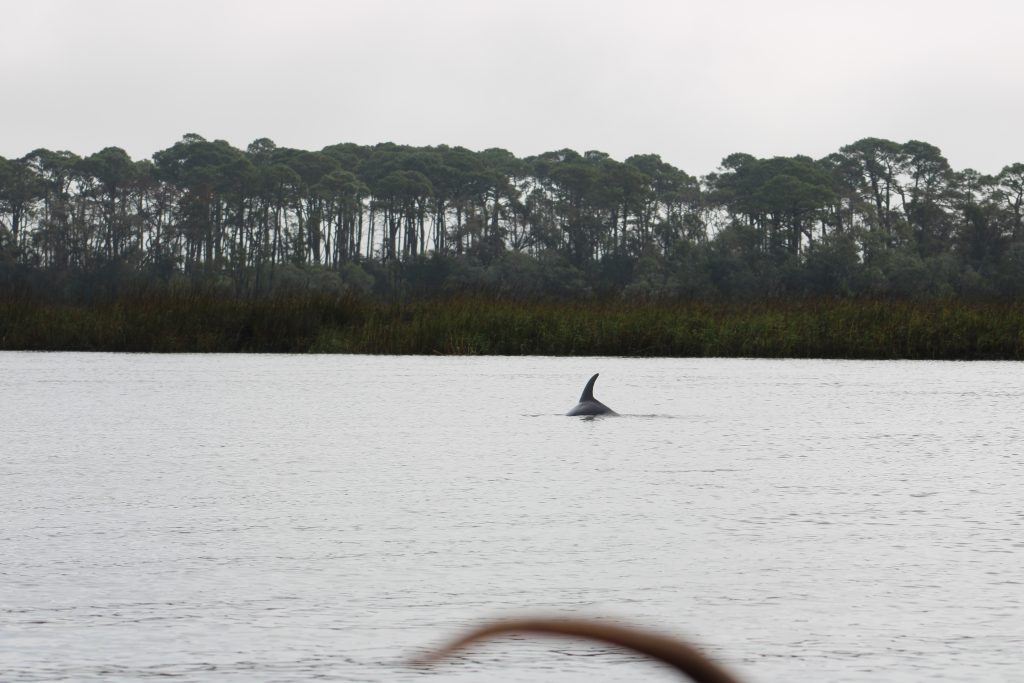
(677,654)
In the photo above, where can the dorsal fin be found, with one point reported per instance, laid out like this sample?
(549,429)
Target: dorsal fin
(588,391)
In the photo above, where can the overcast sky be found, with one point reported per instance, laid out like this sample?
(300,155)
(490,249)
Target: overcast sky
(691,81)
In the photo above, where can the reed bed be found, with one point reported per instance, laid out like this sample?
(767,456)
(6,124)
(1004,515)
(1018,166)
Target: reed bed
(480,325)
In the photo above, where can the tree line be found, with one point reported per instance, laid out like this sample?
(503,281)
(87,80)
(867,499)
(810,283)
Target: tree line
(876,217)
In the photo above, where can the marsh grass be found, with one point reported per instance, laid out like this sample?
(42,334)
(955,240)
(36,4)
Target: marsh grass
(478,325)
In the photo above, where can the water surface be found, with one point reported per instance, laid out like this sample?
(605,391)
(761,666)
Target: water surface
(280,518)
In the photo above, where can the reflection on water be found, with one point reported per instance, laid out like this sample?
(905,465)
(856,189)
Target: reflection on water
(269,518)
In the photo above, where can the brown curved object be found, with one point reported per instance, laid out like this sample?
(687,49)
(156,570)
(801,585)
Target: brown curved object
(677,654)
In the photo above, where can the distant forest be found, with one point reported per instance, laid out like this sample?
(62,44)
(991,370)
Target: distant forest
(876,219)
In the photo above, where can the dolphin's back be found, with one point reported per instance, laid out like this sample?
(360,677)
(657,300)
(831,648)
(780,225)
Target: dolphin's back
(589,405)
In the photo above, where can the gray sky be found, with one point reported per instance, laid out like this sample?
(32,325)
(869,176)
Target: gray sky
(692,81)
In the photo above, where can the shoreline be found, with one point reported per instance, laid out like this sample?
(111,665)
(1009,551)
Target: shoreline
(870,329)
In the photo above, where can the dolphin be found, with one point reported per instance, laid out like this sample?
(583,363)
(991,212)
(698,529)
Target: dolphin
(589,405)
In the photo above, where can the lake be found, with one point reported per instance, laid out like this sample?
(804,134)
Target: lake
(285,518)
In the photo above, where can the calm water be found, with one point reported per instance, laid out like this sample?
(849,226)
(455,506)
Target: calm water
(278,518)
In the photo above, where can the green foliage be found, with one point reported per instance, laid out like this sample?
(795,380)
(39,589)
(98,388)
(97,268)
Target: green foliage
(876,218)
(205,320)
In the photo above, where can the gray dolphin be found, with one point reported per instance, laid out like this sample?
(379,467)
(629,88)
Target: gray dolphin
(589,405)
